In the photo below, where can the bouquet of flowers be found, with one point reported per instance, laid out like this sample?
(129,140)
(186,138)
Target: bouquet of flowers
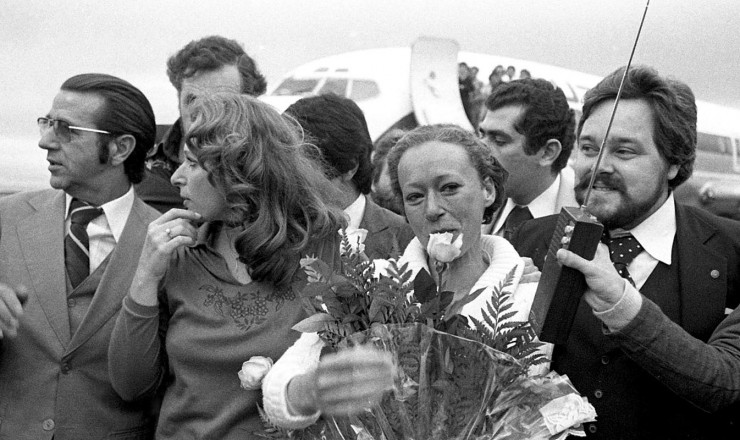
(453,380)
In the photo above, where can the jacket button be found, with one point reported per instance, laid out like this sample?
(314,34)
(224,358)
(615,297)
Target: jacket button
(71,302)
(598,394)
(714,274)
(65,368)
(605,359)
(48,425)
(592,429)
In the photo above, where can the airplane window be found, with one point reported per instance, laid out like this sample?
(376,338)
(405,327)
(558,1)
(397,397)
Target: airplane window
(714,144)
(334,85)
(293,86)
(364,89)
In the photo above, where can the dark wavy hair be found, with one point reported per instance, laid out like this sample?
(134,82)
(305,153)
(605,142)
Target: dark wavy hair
(212,53)
(673,112)
(274,186)
(546,115)
(126,111)
(478,152)
(337,126)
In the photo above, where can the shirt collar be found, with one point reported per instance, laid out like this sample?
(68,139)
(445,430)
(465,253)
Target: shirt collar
(543,205)
(656,233)
(116,211)
(355,212)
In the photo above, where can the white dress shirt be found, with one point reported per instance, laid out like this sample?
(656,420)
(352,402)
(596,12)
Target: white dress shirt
(655,234)
(105,230)
(355,212)
(543,205)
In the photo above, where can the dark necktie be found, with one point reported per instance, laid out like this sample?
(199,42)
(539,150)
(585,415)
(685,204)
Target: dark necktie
(77,243)
(623,250)
(516,217)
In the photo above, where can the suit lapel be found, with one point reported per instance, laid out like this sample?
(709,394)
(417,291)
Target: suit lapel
(703,274)
(372,218)
(373,221)
(116,279)
(41,239)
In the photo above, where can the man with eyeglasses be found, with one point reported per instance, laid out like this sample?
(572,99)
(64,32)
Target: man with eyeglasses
(67,257)
(210,64)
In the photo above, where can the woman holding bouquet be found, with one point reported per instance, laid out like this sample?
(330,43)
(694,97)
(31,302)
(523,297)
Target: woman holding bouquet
(449,183)
(213,284)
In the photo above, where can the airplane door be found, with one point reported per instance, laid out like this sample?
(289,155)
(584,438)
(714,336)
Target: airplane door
(435,94)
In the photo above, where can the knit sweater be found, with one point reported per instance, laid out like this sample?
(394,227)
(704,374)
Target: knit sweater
(207,324)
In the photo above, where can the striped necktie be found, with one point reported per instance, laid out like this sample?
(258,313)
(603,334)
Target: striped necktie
(77,243)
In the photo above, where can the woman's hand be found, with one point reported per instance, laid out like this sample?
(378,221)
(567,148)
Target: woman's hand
(344,383)
(173,230)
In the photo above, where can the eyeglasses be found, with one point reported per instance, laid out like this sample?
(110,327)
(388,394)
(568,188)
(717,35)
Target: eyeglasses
(62,128)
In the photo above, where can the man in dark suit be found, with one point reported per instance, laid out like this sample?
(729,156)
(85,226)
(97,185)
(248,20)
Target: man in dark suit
(67,258)
(531,129)
(684,264)
(338,128)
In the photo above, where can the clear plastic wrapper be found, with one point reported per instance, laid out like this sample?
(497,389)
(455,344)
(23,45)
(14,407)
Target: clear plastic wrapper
(447,387)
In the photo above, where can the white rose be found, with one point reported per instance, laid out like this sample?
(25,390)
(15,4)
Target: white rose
(441,247)
(253,371)
(356,238)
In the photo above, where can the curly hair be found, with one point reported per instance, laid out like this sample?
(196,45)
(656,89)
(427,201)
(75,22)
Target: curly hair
(547,115)
(479,153)
(273,184)
(126,111)
(212,53)
(673,112)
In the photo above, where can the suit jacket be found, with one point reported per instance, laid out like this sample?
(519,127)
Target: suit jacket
(387,232)
(708,264)
(52,383)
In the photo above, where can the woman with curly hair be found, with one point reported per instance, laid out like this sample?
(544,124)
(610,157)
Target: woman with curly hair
(213,286)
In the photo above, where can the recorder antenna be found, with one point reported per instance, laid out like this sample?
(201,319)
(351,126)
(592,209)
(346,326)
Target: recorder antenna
(614,112)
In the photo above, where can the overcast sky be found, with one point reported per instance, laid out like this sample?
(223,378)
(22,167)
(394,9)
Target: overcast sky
(42,43)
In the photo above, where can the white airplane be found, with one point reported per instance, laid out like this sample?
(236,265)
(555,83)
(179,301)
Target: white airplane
(409,86)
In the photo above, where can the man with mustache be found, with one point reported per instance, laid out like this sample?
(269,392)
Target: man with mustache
(683,262)
(66,262)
